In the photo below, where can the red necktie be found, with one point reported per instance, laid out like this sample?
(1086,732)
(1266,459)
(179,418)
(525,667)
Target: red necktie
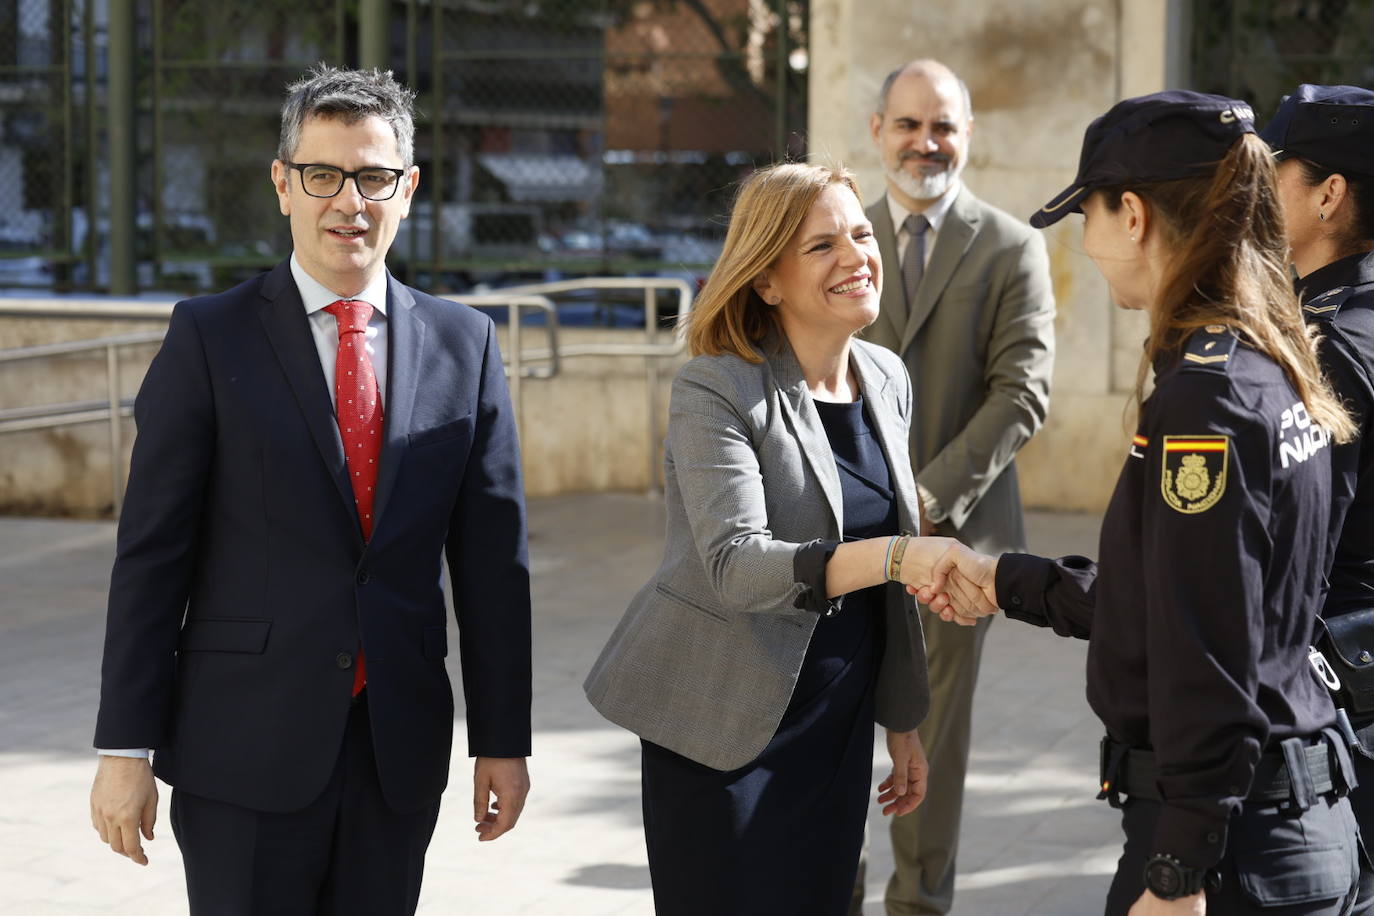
(359,411)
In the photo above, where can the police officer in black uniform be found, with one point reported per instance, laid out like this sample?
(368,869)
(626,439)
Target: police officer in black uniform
(1323,137)
(1222,747)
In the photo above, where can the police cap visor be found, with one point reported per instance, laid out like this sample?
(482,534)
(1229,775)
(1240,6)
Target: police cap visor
(1158,137)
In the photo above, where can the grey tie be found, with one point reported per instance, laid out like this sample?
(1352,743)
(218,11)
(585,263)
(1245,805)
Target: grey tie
(914,258)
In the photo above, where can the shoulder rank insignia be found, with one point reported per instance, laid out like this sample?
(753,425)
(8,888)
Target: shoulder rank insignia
(1194,473)
(1328,303)
(1210,346)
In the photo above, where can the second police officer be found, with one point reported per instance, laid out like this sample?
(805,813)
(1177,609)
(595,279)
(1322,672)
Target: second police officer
(1323,137)
(1223,750)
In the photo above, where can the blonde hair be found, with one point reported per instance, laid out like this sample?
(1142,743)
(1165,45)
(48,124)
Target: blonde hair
(728,315)
(1231,267)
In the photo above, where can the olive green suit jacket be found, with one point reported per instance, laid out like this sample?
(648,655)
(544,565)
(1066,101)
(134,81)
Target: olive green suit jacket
(978,343)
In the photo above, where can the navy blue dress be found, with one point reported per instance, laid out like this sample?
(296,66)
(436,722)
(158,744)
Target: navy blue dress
(783,833)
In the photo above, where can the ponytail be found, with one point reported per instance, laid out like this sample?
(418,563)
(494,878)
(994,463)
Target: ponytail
(1231,267)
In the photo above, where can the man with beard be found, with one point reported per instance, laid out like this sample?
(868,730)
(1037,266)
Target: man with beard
(970,309)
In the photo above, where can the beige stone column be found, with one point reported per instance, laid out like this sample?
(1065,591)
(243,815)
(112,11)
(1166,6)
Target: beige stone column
(1038,72)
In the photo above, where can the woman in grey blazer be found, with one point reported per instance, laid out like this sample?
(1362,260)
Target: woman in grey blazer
(777,627)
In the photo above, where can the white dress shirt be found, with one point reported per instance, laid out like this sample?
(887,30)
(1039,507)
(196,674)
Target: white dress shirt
(325,329)
(935,215)
(317,296)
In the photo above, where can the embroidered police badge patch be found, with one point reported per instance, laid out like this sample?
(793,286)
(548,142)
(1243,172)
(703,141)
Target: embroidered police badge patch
(1194,472)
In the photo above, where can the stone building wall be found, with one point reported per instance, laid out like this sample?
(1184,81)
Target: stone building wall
(1038,71)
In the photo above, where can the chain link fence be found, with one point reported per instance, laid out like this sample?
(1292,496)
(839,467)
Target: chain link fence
(218,75)
(43,219)
(556,138)
(577,137)
(1259,50)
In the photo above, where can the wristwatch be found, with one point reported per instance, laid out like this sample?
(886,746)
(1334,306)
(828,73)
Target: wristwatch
(1169,879)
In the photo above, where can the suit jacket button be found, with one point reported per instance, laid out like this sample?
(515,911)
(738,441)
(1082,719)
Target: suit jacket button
(363,578)
(343,660)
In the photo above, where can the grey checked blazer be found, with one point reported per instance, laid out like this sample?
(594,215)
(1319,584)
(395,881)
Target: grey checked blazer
(705,659)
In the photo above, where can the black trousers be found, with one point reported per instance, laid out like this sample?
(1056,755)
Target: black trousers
(1277,862)
(1362,801)
(345,854)
(781,835)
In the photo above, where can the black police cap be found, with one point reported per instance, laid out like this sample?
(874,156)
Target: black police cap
(1332,126)
(1158,137)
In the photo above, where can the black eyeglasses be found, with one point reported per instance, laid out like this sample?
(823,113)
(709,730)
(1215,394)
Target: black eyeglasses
(374,183)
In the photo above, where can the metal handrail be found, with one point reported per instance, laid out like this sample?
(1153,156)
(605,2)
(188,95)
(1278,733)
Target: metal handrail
(651,349)
(43,416)
(113,408)
(62,348)
(650,285)
(131,310)
(516,370)
(536,296)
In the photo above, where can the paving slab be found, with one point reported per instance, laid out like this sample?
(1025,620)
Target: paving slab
(1034,841)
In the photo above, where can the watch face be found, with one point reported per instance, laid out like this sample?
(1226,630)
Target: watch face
(1163,879)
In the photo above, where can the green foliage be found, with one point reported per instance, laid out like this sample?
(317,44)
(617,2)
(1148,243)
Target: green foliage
(1258,50)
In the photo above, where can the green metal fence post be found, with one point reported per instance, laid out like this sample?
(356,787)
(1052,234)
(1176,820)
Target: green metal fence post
(62,38)
(374,37)
(436,116)
(413,79)
(89,168)
(783,65)
(123,152)
(159,147)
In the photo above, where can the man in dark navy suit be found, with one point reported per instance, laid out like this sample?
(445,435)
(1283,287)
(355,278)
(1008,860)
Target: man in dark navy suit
(310,445)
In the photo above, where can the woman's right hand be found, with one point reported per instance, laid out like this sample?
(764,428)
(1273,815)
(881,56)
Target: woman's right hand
(955,581)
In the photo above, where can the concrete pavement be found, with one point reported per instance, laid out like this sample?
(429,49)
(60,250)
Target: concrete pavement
(1035,842)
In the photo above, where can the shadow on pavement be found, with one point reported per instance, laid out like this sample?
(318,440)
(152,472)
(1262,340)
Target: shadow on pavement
(1032,843)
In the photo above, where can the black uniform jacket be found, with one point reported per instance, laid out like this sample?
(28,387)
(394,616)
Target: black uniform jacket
(1339,300)
(1201,610)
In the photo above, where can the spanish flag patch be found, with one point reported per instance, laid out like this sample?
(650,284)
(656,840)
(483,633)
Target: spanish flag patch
(1194,472)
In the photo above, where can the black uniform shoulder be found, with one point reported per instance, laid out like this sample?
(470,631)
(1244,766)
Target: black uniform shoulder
(1210,349)
(1347,347)
(1344,316)
(1355,310)
(1217,378)
(1327,306)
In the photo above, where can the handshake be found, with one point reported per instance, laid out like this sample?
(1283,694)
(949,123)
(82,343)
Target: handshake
(955,581)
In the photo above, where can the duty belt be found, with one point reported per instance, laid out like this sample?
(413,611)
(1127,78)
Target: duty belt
(1125,770)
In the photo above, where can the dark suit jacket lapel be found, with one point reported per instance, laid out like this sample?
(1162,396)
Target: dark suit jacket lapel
(406,337)
(805,421)
(288,329)
(882,411)
(892,310)
(952,241)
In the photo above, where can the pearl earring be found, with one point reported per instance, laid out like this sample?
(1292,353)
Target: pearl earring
(1132,238)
